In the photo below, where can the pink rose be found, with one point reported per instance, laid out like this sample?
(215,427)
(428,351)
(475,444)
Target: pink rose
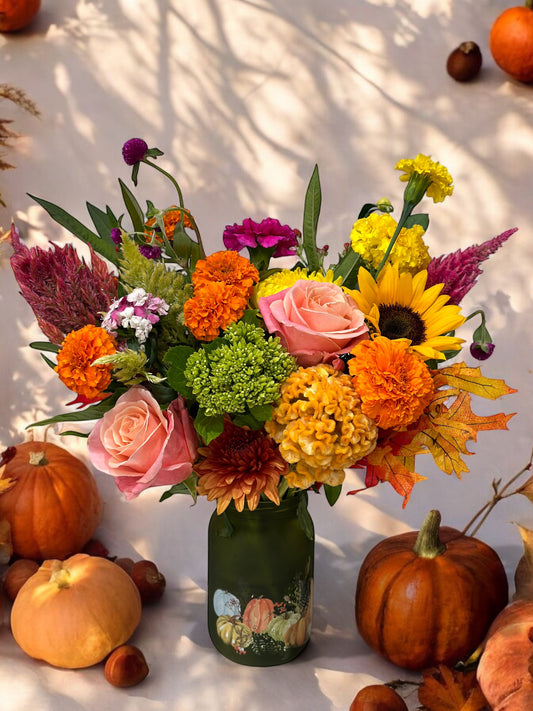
(142,445)
(316,321)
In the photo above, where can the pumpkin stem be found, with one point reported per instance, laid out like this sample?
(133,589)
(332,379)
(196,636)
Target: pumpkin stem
(38,459)
(428,543)
(60,575)
(529,4)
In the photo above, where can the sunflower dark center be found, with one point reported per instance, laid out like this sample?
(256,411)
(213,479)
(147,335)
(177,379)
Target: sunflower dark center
(396,321)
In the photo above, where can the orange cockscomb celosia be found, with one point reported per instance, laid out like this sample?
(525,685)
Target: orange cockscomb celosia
(229,268)
(239,465)
(394,384)
(75,361)
(213,308)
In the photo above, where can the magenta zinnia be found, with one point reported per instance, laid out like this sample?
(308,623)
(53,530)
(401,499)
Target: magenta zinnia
(63,291)
(240,465)
(460,270)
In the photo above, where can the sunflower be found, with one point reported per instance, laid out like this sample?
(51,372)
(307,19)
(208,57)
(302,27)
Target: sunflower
(400,306)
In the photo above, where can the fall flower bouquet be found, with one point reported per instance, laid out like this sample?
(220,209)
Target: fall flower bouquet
(226,376)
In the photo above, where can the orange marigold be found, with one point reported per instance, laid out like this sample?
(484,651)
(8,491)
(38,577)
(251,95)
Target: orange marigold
(75,361)
(240,465)
(170,220)
(394,384)
(213,307)
(229,268)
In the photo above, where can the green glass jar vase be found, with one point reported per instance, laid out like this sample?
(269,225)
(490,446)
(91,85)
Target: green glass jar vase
(260,581)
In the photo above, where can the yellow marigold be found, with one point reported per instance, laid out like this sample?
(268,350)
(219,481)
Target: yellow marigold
(170,219)
(286,277)
(75,361)
(213,307)
(319,426)
(227,267)
(371,236)
(393,382)
(425,176)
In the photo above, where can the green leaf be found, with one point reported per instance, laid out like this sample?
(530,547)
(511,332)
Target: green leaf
(313,200)
(332,493)
(177,357)
(420,219)
(45,346)
(185,487)
(93,412)
(132,206)
(73,433)
(348,268)
(306,522)
(262,412)
(48,361)
(246,419)
(186,249)
(101,221)
(79,230)
(228,529)
(208,426)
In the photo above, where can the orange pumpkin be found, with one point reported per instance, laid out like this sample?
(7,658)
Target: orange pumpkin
(258,613)
(17,14)
(511,41)
(73,613)
(428,598)
(50,499)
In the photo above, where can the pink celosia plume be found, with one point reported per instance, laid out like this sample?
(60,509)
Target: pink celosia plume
(64,292)
(460,270)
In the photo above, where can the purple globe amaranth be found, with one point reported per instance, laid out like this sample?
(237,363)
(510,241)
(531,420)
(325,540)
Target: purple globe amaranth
(116,235)
(268,233)
(134,150)
(482,351)
(149,251)
(460,270)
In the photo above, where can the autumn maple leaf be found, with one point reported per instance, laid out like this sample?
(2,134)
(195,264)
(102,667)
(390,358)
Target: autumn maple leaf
(446,689)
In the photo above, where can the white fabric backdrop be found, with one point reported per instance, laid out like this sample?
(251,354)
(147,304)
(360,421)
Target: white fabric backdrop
(245,98)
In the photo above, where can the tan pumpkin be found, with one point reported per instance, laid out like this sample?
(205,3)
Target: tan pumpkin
(50,499)
(233,631)
(73,613)
(258,613)
(505,668)
(298,633)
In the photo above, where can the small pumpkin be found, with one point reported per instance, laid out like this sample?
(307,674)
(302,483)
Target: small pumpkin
(428,598)
(505,668)
(278,626)
(258,613)
(298,633)
(50,499)
(234,632)
(73,613)
(17,14)
(511,41)
(225,603)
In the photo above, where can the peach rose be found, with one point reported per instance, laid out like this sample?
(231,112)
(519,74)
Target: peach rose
(143,446)
(316,321)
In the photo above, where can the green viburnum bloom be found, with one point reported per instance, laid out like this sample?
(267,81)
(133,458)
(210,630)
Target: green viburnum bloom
(240,371)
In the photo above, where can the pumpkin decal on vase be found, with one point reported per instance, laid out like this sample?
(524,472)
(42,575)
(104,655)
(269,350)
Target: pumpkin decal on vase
(50,499)
(428,598)
(73,613)
(258,613)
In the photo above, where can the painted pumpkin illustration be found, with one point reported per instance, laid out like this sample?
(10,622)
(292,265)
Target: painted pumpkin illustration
(224,603)
(278,626)
(258,613)
(234,632)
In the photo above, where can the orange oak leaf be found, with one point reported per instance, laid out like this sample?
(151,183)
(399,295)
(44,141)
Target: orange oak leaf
(446,689)
(446,430)
(383,465)
(471,380)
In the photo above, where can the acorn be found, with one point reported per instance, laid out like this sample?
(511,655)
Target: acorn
(464,62)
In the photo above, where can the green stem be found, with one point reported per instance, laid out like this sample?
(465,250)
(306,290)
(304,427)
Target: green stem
(406,212)
(170,177)
(428,543)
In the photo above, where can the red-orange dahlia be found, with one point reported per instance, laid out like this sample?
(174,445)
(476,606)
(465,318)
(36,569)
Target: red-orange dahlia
(239,465)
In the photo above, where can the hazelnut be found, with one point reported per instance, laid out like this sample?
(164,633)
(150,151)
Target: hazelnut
(17,574)
(378,697)
(126,666)
(95,547)
(149,581)
(464,62)
(125,563)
